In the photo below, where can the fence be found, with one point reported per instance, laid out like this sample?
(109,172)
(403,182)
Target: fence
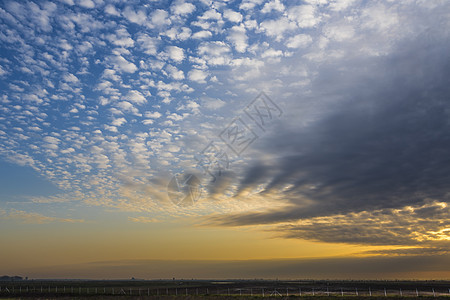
(232,291)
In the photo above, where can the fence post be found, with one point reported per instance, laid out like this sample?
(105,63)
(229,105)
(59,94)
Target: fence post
(401,293)
(434,294)
(299,291)
(417,292)
(370,292)
(263,291)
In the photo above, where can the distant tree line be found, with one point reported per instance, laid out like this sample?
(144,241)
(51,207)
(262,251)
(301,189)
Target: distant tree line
(10,278)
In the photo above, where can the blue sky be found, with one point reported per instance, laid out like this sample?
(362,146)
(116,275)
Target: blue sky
(102,102)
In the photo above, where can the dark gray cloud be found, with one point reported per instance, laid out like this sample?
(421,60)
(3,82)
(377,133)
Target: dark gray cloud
(380,142)
(394,153)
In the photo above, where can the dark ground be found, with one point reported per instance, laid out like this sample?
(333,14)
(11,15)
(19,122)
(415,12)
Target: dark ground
(221,289)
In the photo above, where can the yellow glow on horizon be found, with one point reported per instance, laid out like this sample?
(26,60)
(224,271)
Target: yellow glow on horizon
(83,243)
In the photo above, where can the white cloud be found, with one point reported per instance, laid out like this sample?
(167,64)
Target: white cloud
(212,103)
(160,18)
(68,2)
(232,16)
(182,8)
(110,74)
(304,15)
(272,5)
(21,159)
(123,65)
(3,71)
(175,117)
(51,140)
(175,73)
(175,53)
(250,4)
(276,28)
(299,41)
(86,3)
(148,122)
(154,115)
(136,97)
(138,17)
(197,75)
(127,107)
(148,44)
(272,53)
(67,151)
(70,78)
(339,33)
(193,106)
(211,14)
(110,128)
(202,34)
(379,17)
(238,38)
(215,53)
(111,9)
(84,47)
(184,34)
(65,45)
(118,122)
(339,5)
(121,38)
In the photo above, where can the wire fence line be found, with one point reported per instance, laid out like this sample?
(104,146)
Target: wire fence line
(6,290)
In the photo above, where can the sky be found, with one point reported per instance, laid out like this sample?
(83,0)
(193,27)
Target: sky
(225,139)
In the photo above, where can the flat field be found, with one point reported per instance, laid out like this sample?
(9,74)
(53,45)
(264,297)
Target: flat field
(222,289)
